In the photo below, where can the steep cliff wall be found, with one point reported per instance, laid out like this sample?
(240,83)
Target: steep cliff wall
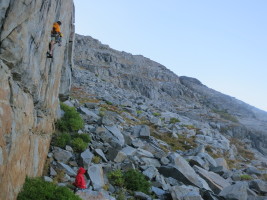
(30,85)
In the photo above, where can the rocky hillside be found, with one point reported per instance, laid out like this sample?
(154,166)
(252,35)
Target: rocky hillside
(189,141)
(30,85)
(130,76)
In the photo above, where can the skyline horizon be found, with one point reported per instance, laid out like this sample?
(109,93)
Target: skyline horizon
(210,87)
(222,44)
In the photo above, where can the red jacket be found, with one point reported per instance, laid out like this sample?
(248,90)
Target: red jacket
(80,180)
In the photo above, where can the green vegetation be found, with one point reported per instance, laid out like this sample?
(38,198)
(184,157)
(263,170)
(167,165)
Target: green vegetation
(241,149)
(156,114)
(85,137)
(78,144)
(139,112)
(62,139)
(77,141)
(96,159)
(71,121)
(136,181)
(245,177)
(182,143)
(36,188)
(174,120)
(264,177)
(109,103)
(131,180)
(116,178)
(190,127)
(59,177)
(225,115)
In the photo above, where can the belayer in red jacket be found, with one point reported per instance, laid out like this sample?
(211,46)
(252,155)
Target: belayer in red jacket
(80,182)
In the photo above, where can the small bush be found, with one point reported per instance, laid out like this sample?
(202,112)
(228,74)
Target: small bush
(78,145)
(136,181)
(109,103)
(156,114)
(96,159)
(36,188)
(62,139)
(245,177)
(116,178)
(121,194)
(174,120)
(71,121)
(85,137)
(139,112)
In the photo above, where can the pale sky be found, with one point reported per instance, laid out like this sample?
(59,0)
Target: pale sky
(222,43)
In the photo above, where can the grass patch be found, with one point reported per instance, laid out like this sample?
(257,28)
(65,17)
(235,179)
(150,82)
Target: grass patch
(156,114)
(181,143)
(190,127)
(225,115)
(37,188)
(96,159)
(241,149)
(110,107)
(264,177)
(83,97)
(245,177)
(138,112)
(174,120)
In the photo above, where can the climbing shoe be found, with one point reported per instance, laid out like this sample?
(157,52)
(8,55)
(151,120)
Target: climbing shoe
(48,55)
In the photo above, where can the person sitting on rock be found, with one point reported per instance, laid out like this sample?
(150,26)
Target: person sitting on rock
(56,36)
(80,182)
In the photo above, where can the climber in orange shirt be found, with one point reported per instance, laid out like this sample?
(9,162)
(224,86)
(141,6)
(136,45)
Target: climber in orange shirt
(56,36)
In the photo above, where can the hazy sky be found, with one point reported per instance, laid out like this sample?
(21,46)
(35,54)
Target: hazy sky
(223,43)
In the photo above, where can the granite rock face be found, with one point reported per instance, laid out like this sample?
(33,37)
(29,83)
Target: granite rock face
(30,85)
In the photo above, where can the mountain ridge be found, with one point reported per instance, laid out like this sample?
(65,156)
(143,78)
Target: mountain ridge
(139,74)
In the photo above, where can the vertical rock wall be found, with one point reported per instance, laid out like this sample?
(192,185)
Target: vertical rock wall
(30,85)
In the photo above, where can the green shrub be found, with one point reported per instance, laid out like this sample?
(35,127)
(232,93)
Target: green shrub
(136,181)
(36,188)
(245,177)
(116,178)
(71,121)
(156,114)
(84,136)
(174,120)
(121,194)
(109,103)
(78,144)
(96,159)
(61,140)
(138,112)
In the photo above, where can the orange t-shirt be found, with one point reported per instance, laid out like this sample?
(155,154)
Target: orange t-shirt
(56,27)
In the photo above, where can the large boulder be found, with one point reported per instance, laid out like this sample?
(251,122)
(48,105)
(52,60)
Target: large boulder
(182,171)
(259,186)
(185,193)
(96,175)
(216,182)
(237,191)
